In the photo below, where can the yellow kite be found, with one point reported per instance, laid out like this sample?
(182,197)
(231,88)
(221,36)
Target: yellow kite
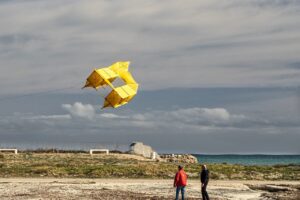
(105,77)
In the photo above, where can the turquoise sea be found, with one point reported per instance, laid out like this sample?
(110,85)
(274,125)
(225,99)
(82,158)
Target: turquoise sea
(249,159)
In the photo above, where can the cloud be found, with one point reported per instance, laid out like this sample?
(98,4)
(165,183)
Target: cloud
(198,118)
(88,118)
(211,129)
(201,114)
(295,65)
(47,117)
(84,116)
(80,110)
(112,116)
(213,43)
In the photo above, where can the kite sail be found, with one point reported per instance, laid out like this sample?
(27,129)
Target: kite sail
(104,77)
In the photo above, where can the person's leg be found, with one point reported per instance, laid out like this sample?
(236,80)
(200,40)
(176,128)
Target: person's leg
(205,192)
(182,192)
(177,192)
(203,195)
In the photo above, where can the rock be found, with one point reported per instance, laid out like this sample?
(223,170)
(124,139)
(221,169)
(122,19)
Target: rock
(146,151)
(270,188)
(179,158)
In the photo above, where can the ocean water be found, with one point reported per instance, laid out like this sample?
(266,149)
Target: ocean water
(249,159)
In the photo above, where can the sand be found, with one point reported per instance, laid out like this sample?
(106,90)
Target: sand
(50,188)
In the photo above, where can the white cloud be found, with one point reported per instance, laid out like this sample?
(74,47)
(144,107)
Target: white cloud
(112,116)
(80,110)
(201,114)
(192,117)
(204,127)
(84,116)
(47,117)
(205,118)
(81,115)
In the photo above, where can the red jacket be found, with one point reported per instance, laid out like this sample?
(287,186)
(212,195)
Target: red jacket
(180,178)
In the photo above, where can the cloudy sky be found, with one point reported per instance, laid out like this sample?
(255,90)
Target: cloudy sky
(215,76)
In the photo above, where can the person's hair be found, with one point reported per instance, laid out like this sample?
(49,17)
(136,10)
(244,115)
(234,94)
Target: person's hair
(180,166)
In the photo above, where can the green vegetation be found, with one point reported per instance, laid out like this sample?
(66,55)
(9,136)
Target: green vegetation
(123,166)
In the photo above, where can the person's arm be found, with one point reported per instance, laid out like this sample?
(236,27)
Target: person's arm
(201,178)
(206,176)
(176,179)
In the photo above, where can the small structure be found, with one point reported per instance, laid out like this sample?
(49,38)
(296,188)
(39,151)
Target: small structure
(99,150)
(146,151)
(153,155)
(13,150)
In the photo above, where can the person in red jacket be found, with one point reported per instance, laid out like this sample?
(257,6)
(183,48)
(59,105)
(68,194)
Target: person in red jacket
(180,182)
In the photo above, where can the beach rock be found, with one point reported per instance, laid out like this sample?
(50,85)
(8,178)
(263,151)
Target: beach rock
(281,191)
(179,158)
(271,188)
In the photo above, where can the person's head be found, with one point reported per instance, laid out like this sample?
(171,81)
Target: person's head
(180,167)
(204,167)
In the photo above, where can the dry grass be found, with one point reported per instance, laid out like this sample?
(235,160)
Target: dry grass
(128,166)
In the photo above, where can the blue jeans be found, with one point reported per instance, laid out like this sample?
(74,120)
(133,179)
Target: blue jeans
(182,189)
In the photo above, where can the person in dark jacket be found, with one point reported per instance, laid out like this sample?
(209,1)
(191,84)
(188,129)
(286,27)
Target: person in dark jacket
(204,176)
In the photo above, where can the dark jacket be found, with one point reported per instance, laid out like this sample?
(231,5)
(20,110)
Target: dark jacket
(204,176)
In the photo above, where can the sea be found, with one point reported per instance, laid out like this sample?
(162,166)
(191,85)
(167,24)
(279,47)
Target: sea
(249,159)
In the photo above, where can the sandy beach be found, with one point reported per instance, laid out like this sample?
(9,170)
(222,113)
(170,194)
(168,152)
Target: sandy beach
(50,188)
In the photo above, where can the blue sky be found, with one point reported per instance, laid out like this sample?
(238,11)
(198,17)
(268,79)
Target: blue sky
(215,76)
